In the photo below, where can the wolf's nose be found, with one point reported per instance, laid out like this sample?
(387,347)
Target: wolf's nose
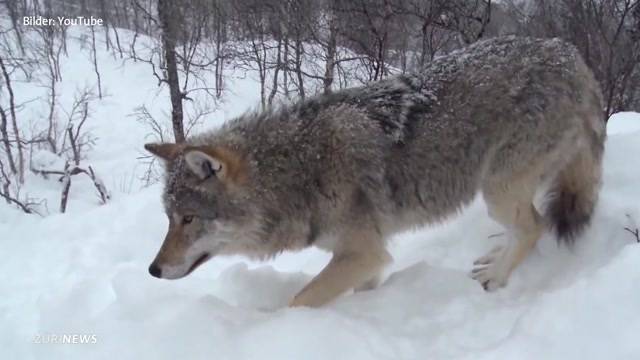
(155,270)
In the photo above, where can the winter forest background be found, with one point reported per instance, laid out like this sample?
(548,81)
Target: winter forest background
(81,215)
(297,48)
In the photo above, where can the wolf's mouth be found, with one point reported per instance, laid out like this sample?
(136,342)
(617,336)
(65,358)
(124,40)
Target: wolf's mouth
(204,257)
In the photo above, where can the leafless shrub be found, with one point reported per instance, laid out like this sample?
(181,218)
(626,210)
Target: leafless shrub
(632,229)
(78,141)
(5,192)
(158,133)
(69,171)
(74,144)
(161,133)
(197,116)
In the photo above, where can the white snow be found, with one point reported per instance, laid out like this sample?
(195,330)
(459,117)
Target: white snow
(623,122)
(85,272)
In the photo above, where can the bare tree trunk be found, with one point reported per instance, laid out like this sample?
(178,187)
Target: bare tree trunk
(330,64)
(166,14)
(6,182)
(52,109)
(219,62)
(106,20)
(5,140)
(74,146)
(5,193)
(122,20)
(285,61)
(276,73)
(260,53)
(102,190)
(66,185)
(94,55)
(14,121)
(13,15)
(298,62)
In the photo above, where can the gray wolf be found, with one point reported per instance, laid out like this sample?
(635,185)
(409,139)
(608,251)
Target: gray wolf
(505,117)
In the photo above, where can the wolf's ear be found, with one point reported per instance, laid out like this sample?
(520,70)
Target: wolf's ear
(225,164)
(166,151)
(204,165)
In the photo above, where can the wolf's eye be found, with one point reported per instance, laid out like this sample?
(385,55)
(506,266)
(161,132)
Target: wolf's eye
(187,219)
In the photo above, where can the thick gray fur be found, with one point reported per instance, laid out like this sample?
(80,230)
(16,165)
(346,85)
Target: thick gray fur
(406,151)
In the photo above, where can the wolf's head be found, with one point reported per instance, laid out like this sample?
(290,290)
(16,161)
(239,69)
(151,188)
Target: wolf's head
(206,204)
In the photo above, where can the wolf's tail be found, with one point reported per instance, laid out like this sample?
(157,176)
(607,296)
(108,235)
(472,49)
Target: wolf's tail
(574,192)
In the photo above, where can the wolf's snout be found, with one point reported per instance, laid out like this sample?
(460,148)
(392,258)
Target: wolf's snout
(155,270)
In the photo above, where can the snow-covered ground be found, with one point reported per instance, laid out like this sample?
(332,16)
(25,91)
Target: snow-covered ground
(85,272)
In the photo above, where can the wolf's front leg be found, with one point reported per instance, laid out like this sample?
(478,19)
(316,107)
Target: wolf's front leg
(360,259)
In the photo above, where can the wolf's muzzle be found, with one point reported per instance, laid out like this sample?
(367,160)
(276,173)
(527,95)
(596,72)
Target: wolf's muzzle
(155,270)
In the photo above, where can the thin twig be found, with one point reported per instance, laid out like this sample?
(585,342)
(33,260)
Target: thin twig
(635,233)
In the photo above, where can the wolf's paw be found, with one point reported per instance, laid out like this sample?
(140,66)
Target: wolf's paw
(490,270)
(295,302)
(368,285)
(305,298)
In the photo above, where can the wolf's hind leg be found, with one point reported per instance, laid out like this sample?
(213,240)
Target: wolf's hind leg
(354,265)
(511,205)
